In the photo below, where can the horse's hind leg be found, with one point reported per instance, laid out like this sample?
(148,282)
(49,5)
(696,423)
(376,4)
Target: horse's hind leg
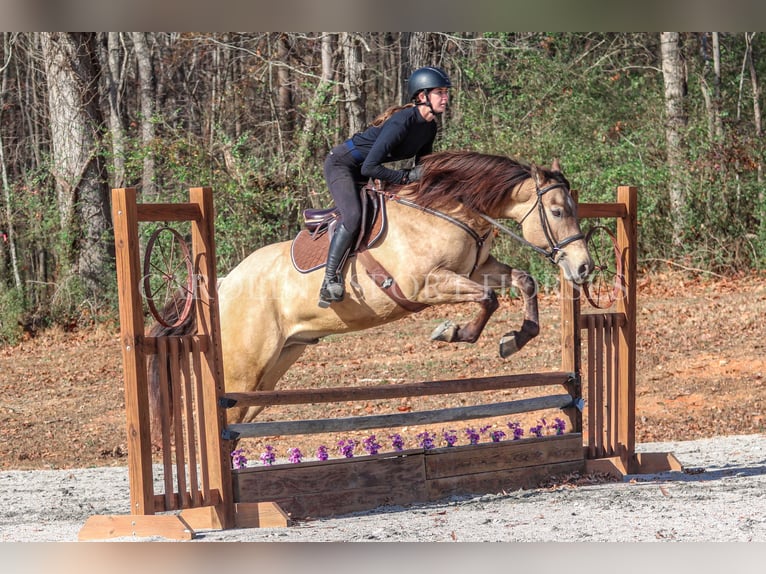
(513,341)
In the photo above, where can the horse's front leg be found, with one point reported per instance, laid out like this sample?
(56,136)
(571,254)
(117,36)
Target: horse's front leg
(446,287)
(496,275)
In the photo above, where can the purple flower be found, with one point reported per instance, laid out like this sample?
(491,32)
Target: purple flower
(518,432)
(450,437)
(322,453)
(497,435)
(294,455)
(396,441)
(371,444)
(269,455)
(238,459)
(426,441)
(559,425)
(473,436)
(346,447)
(484,429)
(536,430)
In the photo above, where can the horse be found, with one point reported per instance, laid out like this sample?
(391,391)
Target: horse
(435,250)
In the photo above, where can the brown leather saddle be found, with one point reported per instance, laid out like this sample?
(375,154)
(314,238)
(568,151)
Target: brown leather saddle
(309,248)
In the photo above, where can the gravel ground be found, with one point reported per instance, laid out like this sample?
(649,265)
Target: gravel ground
(720,498)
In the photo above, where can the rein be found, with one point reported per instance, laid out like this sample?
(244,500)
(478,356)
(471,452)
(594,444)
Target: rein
(480,240)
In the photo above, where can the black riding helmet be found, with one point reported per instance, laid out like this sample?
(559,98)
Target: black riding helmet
(427,78)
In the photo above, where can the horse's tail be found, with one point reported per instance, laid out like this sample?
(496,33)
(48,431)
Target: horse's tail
(187,327)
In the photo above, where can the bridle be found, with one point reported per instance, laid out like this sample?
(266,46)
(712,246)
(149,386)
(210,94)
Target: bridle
(554,251)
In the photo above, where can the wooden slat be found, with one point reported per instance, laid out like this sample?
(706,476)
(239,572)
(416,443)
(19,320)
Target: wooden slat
(509,454)
(168,212)
(200,420)
(609,388)
(595,210)
(166,408)
(591,398)
(314,426)
(188,408)
(178,432)
(599,372)
(420,389)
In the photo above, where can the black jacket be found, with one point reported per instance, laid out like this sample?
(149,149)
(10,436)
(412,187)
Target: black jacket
(404,135)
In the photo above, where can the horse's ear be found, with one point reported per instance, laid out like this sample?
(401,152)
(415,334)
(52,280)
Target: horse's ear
(536,174)
(556,165)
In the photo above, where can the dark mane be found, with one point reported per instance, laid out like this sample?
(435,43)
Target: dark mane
(479,181)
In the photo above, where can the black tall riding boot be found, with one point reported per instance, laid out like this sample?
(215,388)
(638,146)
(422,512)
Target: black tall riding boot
(332,286)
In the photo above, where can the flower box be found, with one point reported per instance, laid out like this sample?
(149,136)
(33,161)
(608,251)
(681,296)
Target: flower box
(339,486)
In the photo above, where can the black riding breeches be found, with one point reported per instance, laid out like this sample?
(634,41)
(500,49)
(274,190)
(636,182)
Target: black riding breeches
(344,179)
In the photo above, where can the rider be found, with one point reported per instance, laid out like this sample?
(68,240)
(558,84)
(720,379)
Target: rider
(401,132)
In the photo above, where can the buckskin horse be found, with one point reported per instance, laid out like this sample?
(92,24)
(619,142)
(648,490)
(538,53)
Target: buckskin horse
(433,250)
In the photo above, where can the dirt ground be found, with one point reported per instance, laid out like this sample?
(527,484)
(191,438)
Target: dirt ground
(700,352)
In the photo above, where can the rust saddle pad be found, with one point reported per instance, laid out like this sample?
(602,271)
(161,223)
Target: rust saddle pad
(309,251)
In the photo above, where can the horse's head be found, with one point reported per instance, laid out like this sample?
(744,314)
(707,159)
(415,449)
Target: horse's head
(548,217)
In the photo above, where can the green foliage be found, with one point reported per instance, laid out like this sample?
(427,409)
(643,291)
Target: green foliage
(11,310)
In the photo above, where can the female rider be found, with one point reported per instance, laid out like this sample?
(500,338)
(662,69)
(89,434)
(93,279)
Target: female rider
(401,132)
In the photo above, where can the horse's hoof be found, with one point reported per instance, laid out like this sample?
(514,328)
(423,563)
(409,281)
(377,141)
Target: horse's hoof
(445,332)
(508,345)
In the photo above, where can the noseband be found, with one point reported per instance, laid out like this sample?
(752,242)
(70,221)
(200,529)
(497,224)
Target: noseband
(553,252)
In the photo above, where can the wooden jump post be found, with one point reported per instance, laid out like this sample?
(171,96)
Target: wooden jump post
(199,481)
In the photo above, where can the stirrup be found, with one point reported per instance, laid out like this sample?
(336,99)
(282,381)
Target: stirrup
(331,292)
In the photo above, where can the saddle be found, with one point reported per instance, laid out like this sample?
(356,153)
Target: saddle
(309,248)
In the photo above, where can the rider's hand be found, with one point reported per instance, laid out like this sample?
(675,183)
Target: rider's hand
(413,174)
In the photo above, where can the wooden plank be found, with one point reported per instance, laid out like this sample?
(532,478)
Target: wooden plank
(171,502)
(596,210)
(129,274)
(211,362)
(334,476)
(103,527)
(314,426)
(380,392)
(188,414)
(489,457)
(168,212)
(335,487)
(177,406)
(627,242)
(591,397)
(499,481)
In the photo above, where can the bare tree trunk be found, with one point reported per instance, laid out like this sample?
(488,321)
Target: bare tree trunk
(675,123)
(77,165)
(353,83)
(284,90)
(147,91)
(110,59)
(711,51)
(10,228)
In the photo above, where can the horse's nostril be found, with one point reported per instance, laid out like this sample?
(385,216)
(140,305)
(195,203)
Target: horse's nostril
(584,270)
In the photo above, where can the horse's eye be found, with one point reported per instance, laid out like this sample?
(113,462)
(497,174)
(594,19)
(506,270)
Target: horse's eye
(557,212)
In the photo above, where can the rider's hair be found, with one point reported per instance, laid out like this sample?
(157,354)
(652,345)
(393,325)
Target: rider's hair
(388,113)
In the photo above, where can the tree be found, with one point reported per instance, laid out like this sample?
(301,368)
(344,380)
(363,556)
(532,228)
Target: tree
(77,164)
(675,124)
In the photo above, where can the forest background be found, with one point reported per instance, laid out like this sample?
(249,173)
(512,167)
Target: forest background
(252,115)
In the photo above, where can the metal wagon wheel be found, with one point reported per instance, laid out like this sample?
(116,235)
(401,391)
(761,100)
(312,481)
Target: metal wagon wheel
(168,270)
(605,284)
